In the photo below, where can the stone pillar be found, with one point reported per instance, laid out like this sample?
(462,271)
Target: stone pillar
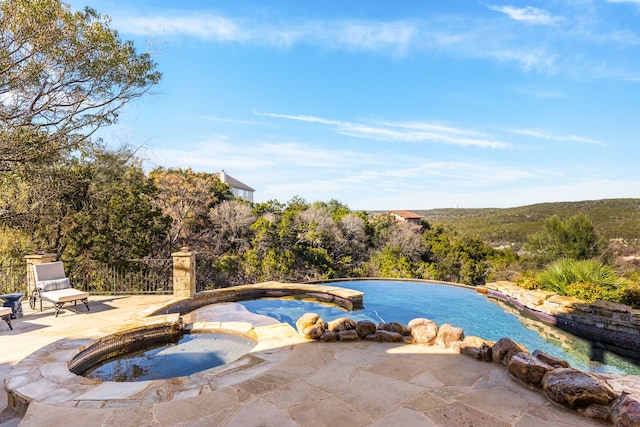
(184,273)
(31,261)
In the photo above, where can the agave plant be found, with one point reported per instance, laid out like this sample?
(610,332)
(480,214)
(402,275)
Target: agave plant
(565,272)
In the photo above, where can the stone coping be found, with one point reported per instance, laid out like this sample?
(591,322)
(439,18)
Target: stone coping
(44,376)
(614,324)
(348,299)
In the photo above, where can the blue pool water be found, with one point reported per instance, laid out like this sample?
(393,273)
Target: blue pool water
(394,301)
(192,353)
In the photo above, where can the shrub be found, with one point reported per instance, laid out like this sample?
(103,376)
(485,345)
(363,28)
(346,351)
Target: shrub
(630,296)
(588,292)
(525,281)
(565,272)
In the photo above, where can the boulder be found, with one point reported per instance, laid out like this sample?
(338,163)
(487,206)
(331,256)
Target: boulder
(329,336)
(626,411)
(349,335)
(598,412)
(342,324)
(394,327)
(448,334)
(384,336)
(472,346)
(423,331)
(528,368)
(551,360)
(576,389)
(486,353)
(311,326)
(504,349)
(365,327)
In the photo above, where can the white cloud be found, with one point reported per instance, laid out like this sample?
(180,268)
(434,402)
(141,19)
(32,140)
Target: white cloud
(478,37)
(411,132)
(528,14)
(393,37)
(207,27)
(560,138)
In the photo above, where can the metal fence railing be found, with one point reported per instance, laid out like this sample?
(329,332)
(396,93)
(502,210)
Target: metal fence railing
(139,276)
(13,278)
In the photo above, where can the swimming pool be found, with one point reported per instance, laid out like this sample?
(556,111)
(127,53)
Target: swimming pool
(401,301)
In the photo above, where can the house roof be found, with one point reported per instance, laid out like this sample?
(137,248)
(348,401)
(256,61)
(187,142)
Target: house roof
(407,214)
(232,182)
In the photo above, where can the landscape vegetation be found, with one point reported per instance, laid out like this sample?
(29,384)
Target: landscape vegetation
(64,75)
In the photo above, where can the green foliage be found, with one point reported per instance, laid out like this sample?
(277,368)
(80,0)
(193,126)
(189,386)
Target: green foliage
(612,218)
(526,280)
(391,263)
(574,238)
(629,295)
(63,75)
(456,258)
(110,214)
(563,273)
(588,292)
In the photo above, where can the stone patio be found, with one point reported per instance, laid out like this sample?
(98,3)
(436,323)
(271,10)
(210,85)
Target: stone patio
(284,381)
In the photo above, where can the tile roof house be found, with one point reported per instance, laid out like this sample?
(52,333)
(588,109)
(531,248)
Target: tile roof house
(239,189)
(407,216)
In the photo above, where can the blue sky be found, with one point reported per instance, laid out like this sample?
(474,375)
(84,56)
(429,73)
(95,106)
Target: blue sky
(392,105)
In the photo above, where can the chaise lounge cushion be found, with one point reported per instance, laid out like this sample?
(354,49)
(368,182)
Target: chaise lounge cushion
(65,295)
(53,285)
(5,311)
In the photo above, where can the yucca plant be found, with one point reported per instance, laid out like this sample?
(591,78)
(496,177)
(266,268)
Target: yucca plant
(564,272)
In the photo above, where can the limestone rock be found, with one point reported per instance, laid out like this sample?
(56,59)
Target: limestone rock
(311,326)
(394,327)
(342,324)
(384,336)
(423,331)
(528,368)
(448,334)
(329,336)
(598,412)
(365,327)
(626,411)
(576,389)
(486,353)
(472,346)
(551,360)
(504,349)
(349,335)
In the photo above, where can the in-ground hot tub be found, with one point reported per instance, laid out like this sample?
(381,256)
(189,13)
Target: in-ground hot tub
(159,352)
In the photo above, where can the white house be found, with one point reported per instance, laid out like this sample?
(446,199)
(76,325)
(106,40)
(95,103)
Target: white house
(239,189)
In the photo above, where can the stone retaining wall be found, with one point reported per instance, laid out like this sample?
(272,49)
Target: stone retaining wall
(607,322)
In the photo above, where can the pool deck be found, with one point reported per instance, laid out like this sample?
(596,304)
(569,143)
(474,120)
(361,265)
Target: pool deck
(285,381)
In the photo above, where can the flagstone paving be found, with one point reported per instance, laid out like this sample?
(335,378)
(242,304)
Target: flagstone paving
(284,381)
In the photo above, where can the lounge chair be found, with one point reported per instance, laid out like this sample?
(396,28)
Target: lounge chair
(52,285)
(5,314)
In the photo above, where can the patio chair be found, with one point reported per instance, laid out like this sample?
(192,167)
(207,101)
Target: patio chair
(5,314)
(52,285)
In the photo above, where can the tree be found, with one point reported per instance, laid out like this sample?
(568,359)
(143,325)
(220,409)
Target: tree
(230,227)
(456,258)
(63,75)
(188,197)
(573,238)
(109,214)
(99,205)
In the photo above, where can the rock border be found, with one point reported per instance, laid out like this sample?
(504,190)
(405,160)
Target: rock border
(588,393)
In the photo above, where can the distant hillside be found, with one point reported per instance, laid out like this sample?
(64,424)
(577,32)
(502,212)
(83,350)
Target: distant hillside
(612,218)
